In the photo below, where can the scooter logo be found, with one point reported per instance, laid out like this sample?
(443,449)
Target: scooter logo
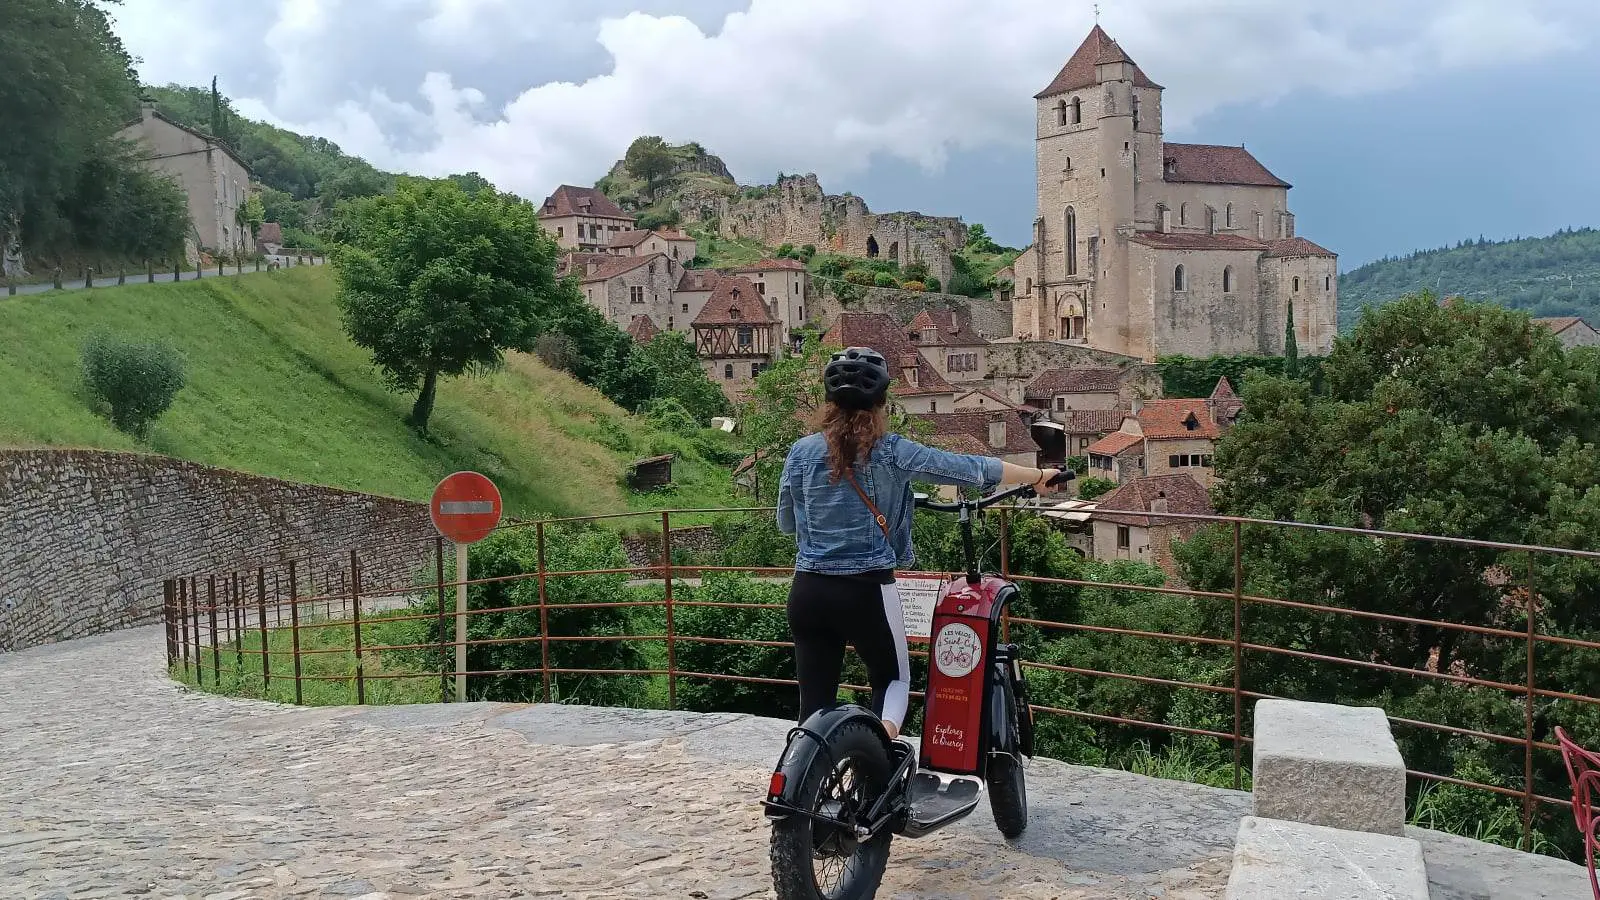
(956,650)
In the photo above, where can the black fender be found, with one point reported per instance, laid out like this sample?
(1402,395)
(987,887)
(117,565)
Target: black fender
(1005,679)
(805,746)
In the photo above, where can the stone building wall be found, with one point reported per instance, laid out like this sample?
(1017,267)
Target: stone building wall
(1013,365)
(990,318)
(87,537)
(796,211)
(1201,320)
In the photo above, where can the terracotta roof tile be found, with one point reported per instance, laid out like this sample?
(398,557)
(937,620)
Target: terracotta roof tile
(611,266)
(1079,72)
(950,329)
(577,262)
(883,334)
(974,424)
(569,200)
(1181,492)
(1193,240)
(1166,420)
(1114,443)
(1090,421)
(698,279)
(1216,164)
(642,329)
(769,265)
(1296,246)
(1223,390)
(734,301)
(999,401)
(1557,324)
(1051,382)
(631,238)
(672,234)
(962,443)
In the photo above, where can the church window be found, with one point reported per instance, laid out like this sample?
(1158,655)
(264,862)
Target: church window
(1230,215)
(1227,279)
(1072,241)
(1061,113)
(1029,290)
(1183,214)
(1135,112)
(1260,228)
(1297,284)
(1327,282)
(1076,113)
(1211,220)
(1179,282)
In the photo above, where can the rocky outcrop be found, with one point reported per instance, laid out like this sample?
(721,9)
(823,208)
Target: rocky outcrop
(797,211)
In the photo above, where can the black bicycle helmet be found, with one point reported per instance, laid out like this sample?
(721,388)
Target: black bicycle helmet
(857,378)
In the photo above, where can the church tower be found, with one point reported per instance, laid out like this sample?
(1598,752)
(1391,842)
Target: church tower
(1098,141)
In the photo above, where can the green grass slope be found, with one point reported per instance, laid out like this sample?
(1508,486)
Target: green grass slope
(1558,275)
(275,388)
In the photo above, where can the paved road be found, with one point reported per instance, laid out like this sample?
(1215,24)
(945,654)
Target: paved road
(116,782)
(68,283)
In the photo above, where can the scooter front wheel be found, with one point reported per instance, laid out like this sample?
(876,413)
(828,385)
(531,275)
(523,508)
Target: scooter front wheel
(813,860)
(1008,787)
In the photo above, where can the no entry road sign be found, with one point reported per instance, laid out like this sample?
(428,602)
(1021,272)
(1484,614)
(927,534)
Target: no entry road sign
(465,507)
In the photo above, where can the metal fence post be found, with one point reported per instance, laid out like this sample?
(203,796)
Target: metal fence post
(238,624)
(149,272)
(355,618)
(666,574)
(1527,713)
(211,603)
(444,653)
(88,277)
(544,617)
(183,619)
(261,622)
(294,628)
(168,598)
(194,604)
(1238,656)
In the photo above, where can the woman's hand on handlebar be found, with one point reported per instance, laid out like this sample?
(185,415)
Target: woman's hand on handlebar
(1053,481)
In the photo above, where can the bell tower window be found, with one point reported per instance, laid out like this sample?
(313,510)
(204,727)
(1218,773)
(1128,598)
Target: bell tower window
(1061,113)
(1075,112)
(1072,241)
(1179,281)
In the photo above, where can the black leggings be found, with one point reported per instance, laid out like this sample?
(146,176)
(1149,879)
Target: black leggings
(828,611)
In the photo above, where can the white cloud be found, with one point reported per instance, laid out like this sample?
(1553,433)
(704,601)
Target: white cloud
(825,85)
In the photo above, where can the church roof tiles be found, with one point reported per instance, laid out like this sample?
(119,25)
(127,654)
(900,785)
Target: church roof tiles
(1216,164)
(1097,49)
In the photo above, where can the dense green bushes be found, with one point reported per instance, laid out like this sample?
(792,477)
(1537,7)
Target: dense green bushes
(135,382)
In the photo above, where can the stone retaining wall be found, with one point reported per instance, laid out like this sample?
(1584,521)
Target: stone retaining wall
(643,551)
(990,318)
(86,537)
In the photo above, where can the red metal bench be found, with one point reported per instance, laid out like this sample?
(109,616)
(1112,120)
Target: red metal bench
(1583,767)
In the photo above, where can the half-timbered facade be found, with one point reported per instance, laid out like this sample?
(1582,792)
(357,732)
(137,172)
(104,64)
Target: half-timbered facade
(733,334)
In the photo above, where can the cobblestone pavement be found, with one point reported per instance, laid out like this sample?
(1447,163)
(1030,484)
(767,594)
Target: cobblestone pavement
(116,782)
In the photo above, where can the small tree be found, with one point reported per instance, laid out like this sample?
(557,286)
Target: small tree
(136,382)
(885,280)
(436,282)
(1291,348)
(1090,488)
(651,161)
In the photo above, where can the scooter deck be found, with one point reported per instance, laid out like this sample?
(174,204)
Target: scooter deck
(939,801)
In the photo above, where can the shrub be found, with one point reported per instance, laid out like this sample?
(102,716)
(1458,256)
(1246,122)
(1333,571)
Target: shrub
(917,286)
(669,414)
(1090,488)
(885,280)
(658,217)
(965,285)
(855,276)
(768,624)
(933,284)
(808,251)
(135,382)
(917,271)
(785,251)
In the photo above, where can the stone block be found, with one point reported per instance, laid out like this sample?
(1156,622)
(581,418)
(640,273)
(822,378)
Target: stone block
(1273,860)
(1331,765)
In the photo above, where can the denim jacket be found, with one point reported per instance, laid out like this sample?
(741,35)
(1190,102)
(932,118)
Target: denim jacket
(835,531)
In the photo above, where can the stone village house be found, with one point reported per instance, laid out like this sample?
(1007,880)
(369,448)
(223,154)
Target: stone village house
(1572,331)
(643,242)
(733,335)
(583,219)
(1162,437)
(948,343)
(1145,247)
(213,178)
(917,387)
(1125,527)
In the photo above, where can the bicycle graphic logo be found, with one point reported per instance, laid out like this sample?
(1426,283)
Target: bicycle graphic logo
(957,650)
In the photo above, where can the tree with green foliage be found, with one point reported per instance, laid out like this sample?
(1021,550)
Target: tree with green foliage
(438,283)
(1291,348)
(978,240)
(650,160)
(1090,488)
(136,382)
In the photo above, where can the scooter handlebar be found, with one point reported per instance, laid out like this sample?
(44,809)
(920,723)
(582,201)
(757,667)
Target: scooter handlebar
(1023,490)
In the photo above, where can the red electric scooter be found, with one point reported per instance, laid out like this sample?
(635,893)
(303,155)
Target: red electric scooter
(843,789)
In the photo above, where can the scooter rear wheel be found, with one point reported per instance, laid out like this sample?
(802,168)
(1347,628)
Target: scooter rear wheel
(1008,787)
(814,861)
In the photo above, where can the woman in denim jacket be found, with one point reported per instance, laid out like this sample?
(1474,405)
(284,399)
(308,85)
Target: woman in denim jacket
(846,496)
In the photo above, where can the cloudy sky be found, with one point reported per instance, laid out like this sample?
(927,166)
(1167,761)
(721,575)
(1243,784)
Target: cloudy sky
(1402,123)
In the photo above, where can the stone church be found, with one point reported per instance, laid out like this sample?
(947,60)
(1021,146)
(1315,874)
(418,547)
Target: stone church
(1149,248)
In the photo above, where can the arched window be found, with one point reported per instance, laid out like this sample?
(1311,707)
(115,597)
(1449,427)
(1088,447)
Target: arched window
(1227,279)
(1183,214)
(1072,241)
(1179,281)
(1076,117)
(1261,233)
(1230,215)
(727,371)
(1211,220)
(1297,284)
(1061,113)
(1029,291)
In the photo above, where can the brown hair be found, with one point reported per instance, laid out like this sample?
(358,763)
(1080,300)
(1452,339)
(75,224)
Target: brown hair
(851,434)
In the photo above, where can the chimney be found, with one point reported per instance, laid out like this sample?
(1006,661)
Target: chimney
(594,266)
(1159,504)
(997,431)
(1137,405)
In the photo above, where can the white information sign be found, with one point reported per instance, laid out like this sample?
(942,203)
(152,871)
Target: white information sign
(917,596)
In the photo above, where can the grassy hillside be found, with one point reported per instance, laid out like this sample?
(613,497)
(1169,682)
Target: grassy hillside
(1557,275)
(275,388)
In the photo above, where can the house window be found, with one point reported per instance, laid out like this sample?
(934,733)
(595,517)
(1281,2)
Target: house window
(1189,461)
(746,336)
(795,288)
(1122,537)
(669,323)
(1191,423)
(636,294)
(674,252)
(755,369)
(561,231)
(1061,403)
(1072,241)
(933,406)
(1261,229)
(1297,284)
(685,307)
(1179,282)
(761,288)
(800,312)
(727,371)
(1227,279)
(961,362)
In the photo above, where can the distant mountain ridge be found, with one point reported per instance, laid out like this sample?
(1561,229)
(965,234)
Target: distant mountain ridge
(1557,275)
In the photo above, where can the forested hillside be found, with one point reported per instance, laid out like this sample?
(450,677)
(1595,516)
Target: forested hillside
(1557,275)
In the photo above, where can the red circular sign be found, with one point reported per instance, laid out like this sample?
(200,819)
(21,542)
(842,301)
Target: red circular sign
(465,507)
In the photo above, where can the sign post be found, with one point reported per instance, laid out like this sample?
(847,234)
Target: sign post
(465,508)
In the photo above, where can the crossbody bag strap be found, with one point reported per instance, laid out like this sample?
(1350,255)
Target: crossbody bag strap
(883,523)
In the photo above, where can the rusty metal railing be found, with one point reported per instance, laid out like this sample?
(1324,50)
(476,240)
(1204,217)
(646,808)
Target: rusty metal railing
(210,615)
